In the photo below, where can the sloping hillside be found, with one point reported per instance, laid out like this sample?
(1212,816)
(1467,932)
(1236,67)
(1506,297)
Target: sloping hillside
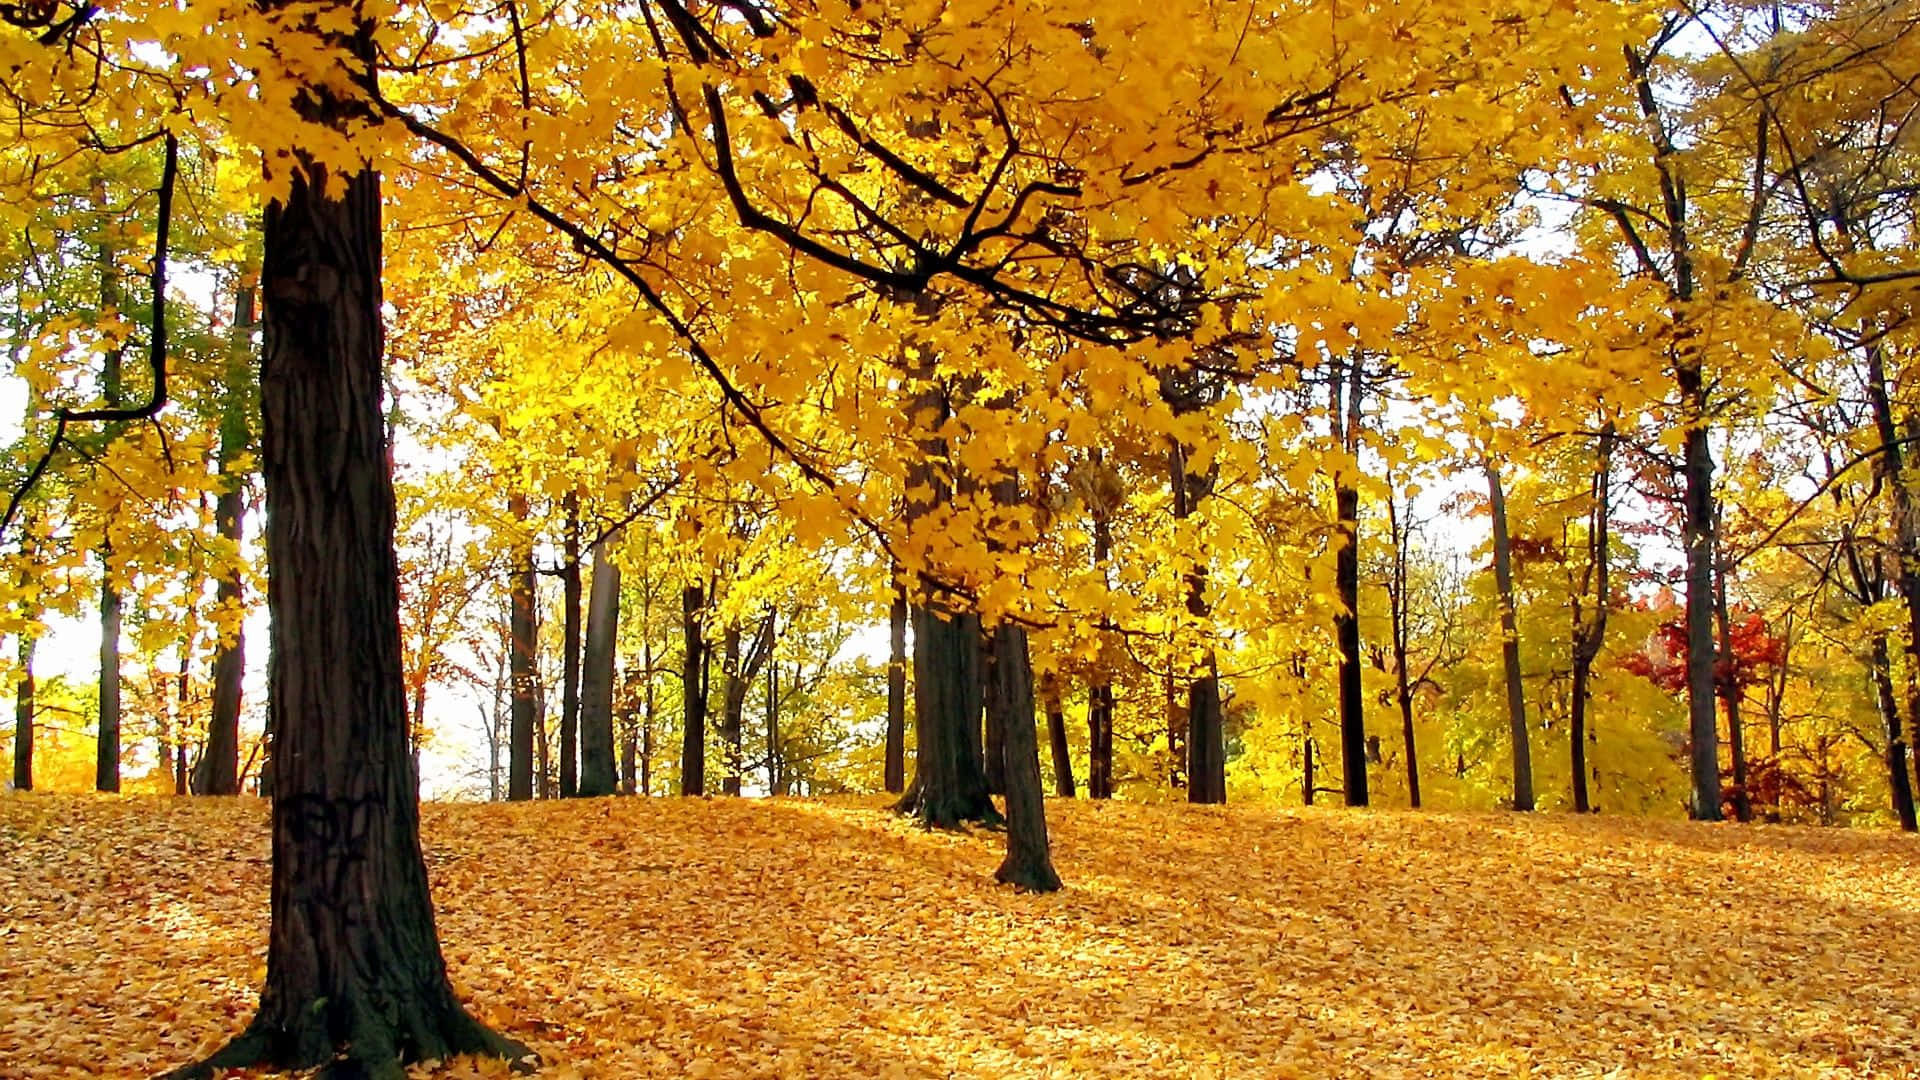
(665,938)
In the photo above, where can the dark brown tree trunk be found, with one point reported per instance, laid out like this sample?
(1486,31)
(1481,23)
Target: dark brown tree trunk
(23,713)
(1346,580)
(1307,779)
(523,641)
(355,980)
(1590,632)
(1063,785)
(1897,782)
(1698,539)
(1894,453)
(949,784)
(741,667)
(1100,691)
(693,679)
(1029,861)
(219,771)
(221,759)
(1206,724)
(994,731)
(1730,698)
(896,747)
(597,776)
(570,650)
(1510,643)
(106,768)
(1402,677)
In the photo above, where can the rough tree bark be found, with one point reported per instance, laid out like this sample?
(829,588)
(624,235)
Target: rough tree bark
(693,680)
(1510,642)
(597,775)
(949,784)
(1029,860)
(355,984)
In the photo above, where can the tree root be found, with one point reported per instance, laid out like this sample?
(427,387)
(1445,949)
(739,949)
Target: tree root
(376,1049)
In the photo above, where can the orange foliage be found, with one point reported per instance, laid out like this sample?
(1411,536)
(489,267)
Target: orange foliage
(662,938)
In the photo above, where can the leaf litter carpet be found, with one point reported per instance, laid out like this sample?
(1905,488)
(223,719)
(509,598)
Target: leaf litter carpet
(748,938)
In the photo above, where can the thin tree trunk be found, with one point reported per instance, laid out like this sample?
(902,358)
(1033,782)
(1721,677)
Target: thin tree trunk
(221,758)
(896,746)
(1057,738)
(1206,725)
(1029,861)
(693,679)
(23,712)
(523,641)
(1510,643)
(570,650)
(597,776)
(354,968)
(1730,697)
(1345,412)
(106,771)
(1590,633)
(1100,691)
(1403,686)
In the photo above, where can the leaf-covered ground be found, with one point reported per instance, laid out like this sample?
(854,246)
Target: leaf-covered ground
(667,938)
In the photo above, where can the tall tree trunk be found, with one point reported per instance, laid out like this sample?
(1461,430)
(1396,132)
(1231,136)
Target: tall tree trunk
(1346,383)
(570,650)
(1029,860)
(1206,724)
(354,968)
(523,642)
(597,776)
(106,769)
(221,759)
(1730,696)
(895,779)
(1697,535)
(1892,462)
(1057,739)
(1510,642)
(693,680)
(1590,631)
(1402,677)
(1100,690)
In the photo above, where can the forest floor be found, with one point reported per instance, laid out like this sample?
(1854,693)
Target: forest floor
(675,938)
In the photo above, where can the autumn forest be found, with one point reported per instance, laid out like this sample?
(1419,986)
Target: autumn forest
(965,537)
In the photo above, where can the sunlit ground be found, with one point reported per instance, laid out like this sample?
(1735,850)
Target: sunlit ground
(667,938)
